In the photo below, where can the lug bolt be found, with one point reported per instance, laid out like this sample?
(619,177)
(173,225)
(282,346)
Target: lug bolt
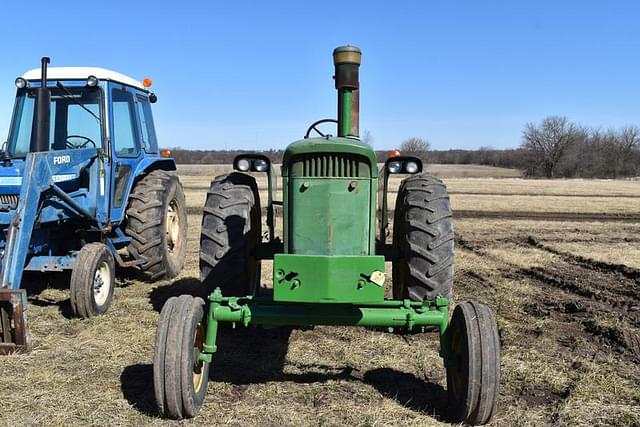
(295,284)
(279,274)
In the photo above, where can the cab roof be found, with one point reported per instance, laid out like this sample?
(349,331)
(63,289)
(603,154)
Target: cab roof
(81,73)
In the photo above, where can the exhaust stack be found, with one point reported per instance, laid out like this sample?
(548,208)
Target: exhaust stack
(347,63)
(40,128)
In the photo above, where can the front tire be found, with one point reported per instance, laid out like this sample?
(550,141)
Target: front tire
(92,281)
(157,224)
(473,365)
(180,379)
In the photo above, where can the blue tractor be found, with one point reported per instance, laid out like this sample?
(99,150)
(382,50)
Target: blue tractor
(84,189)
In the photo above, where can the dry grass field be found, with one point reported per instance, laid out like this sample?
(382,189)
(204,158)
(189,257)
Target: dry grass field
(558,261)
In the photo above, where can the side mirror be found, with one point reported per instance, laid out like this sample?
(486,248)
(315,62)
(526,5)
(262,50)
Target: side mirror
(153,98)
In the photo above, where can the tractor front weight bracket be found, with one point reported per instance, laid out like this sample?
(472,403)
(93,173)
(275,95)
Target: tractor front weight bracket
(14,334)
(387,315)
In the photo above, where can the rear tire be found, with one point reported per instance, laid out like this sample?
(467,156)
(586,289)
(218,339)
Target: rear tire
(473,368)
(92,280)
(423,234)
(179,379)
(231,231)
(157,224)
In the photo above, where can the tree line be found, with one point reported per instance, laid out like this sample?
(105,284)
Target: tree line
(552,148)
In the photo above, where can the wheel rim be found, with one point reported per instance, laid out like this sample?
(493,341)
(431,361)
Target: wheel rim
(102,283)
(198,365)
(173,227)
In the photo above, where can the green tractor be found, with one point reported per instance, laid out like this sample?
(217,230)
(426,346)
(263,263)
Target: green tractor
(329,267)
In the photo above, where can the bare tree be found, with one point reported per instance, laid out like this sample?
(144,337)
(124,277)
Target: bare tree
(624,143)
(417,147)
(547,142)
(367,137)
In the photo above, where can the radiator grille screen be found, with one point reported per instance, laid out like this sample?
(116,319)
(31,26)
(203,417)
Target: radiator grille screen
(9,200)
(330,165)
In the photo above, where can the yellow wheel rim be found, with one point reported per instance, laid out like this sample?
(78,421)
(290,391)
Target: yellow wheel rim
(198,365)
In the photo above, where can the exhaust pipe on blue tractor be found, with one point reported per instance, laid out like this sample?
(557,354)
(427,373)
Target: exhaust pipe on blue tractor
(41,125)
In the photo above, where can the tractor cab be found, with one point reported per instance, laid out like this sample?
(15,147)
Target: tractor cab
(102,112)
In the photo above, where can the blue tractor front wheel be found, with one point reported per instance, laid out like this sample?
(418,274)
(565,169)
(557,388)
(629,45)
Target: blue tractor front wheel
(92,280)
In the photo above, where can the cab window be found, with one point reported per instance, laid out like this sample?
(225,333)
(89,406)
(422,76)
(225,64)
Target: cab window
(75,120)
(149,141)
(125,135)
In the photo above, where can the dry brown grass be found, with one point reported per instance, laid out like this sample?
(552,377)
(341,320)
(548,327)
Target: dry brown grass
(559,367)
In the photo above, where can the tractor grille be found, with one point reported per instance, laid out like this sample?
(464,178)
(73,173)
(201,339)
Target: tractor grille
(9,200)
(332,165)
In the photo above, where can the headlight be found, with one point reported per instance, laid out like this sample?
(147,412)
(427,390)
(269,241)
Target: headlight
(244,165)
(21,83)
(394,167)
(411,167)
(92,81)
(260,165)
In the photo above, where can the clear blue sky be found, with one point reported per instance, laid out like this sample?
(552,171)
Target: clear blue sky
(240,74)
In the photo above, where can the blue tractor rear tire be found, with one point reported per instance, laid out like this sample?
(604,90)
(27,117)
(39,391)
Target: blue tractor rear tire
(156,204)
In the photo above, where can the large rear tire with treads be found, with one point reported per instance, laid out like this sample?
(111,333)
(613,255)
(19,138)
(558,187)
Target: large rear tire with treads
(157,224)
(423,235)
(231,231)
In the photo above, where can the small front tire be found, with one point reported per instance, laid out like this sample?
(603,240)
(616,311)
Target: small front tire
(180,379)
(92,281)
(473,365)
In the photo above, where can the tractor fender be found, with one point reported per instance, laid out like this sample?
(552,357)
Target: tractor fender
(148,164)
(145,166)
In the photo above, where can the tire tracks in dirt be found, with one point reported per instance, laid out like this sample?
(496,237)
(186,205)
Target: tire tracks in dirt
(629,272)
(547,216)
(576,290)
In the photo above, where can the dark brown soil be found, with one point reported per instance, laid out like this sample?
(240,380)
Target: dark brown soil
(547,216)
(588,309)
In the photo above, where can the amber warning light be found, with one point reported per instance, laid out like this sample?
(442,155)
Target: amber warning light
(147,82)
(393,153)
(165,153)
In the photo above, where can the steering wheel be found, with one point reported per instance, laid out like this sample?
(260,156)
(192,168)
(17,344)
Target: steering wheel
(313,127)
(80,145)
